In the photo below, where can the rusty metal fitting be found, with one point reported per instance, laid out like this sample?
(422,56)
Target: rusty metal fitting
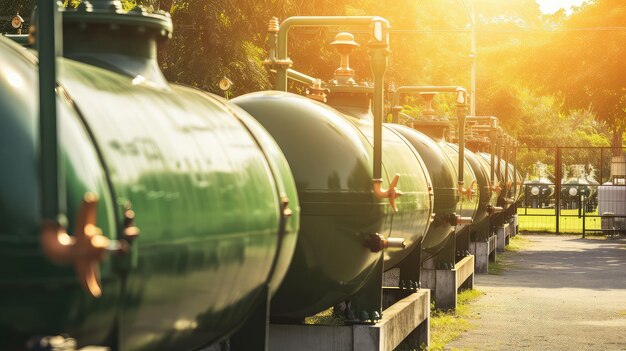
(316,91)
(467,192)
(392,193)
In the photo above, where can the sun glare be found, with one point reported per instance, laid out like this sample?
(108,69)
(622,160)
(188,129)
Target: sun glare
(552,6)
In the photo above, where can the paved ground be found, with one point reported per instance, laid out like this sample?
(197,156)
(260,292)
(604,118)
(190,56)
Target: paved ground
(560,293)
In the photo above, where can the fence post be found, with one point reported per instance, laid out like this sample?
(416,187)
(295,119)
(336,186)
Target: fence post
(601,165)
(559,175)
(584,206)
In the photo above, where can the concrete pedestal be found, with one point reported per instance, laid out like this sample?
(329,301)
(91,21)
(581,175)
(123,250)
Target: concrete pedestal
(406,320)
(503,236)
(446,282)
(484,252)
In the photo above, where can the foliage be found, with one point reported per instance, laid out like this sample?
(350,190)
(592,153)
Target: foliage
(548,82)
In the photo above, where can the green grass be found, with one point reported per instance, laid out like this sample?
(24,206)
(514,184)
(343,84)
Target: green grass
(517,243)
(544,219)
(446,326)
(326,318)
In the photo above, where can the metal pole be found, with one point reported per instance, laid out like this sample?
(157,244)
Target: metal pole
(584,205)
(474,54)
(557,185)
(49,47)
(471,13)
(601,165)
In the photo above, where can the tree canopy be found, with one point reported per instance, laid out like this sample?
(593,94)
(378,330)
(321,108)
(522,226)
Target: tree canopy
(551,79)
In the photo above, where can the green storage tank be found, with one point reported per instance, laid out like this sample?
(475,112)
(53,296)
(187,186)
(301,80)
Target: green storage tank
(330,155)
(467,207)
(206,181)
(444,189)
(485,196)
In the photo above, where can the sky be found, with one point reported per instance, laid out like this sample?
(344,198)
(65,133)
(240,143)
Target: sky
(551,6)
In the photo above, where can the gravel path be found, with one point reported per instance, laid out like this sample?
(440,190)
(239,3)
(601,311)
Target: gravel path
(559,293)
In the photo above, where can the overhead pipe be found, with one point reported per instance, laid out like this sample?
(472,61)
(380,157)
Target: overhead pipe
(301,77)
(378,52)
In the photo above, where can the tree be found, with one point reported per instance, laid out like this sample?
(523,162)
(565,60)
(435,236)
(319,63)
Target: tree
(585,63)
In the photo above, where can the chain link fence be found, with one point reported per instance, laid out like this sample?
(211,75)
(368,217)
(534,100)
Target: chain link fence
(573,190)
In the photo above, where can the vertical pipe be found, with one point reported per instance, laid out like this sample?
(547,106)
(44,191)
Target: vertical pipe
(492,152)
(514,161)
(49,46)
(378,58)
(499,154)
(507,151)
(461,112)
(395,108)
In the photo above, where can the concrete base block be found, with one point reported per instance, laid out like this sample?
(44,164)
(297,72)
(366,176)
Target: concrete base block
(483,252)
(493,243)
(446,282)
(503,236)
(465,273)
(406,320)
(515,230)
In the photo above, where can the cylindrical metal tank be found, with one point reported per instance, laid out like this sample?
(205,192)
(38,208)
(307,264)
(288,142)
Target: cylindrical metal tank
(538,192)
(479,175)
(207,184)
(612,204)
(330,155)
(399,157)
(467,207)
(574,187)
(445,194)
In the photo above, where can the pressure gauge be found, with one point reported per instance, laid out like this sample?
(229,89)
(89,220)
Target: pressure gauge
(16,21)
(225,84)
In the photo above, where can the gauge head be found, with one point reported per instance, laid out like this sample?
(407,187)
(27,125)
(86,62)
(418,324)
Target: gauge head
(16,21)
(225,84)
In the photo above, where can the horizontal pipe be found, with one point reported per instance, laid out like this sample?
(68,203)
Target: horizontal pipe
(414,89)
(300,77)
